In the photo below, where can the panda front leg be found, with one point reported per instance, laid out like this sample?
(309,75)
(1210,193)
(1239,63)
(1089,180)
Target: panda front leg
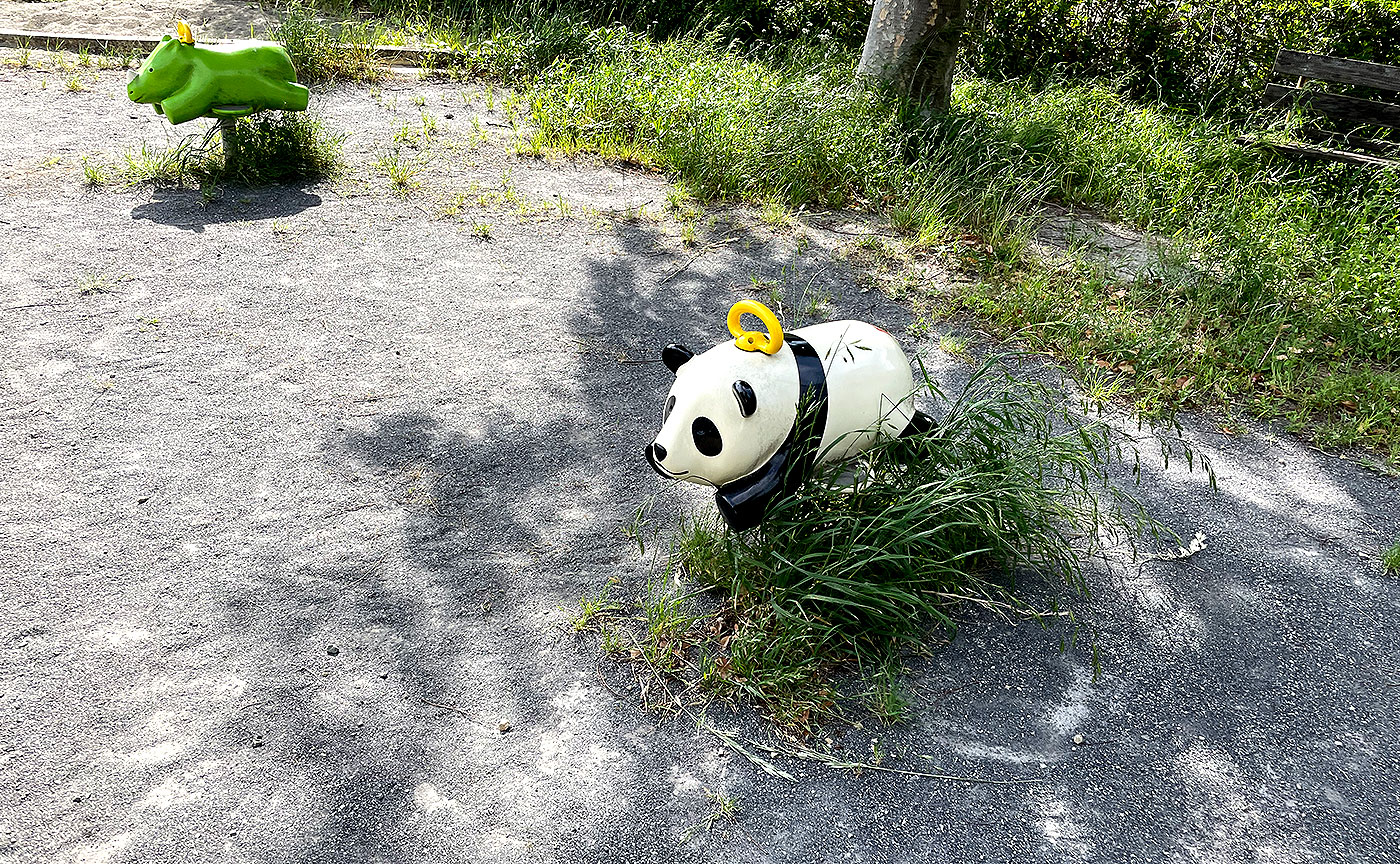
(919,424)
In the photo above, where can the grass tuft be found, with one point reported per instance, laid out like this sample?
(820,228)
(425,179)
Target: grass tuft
(273,147)
(846,574)
(1390,559)
(324,51)
(284,147)
(401,170)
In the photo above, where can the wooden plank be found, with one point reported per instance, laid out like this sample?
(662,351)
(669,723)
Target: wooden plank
(1344,109)
(1337,70)
(393,55)
(1319,153)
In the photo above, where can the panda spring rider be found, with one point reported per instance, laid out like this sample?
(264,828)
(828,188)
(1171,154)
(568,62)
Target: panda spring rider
(752,417)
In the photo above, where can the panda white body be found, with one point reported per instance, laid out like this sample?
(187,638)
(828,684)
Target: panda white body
(731,412)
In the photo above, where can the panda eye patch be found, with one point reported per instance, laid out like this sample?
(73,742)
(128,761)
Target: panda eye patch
(707,437)
(670,406)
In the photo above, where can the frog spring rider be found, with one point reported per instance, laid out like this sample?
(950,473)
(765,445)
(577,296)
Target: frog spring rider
(184,81)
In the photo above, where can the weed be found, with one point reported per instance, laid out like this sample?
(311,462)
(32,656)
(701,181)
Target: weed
(636,529)
(95,283)
(886,698)
(273,147)
(774,213)
(417,135)
(845,574)
(593,607)
(283,147)
(93,173)
(482,230)
(952,345)
(1390,559)
(723,811)
(180,165)
(610,638)
(401,170)
(816,305)
(453,208)
(74,83)
(323,51)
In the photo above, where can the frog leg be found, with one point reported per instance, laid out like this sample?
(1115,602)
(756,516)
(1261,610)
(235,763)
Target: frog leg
(183,106)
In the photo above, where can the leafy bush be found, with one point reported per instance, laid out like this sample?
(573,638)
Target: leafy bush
(1210,55)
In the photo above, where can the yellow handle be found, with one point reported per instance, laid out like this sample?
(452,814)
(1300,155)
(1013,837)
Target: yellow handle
(752,340)
(184,30)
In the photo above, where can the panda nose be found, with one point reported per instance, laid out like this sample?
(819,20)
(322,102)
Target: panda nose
(659,451)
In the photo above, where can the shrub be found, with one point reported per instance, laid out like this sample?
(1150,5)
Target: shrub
(1210,55)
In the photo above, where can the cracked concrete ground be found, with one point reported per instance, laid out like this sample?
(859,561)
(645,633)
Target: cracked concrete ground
(278,472)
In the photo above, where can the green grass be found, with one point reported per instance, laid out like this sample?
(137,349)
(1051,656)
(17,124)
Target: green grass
(284,147)
(93,173)
(327,50)
(273,147)
(1279,295)
(1390,559)
(841,578)
(402,170)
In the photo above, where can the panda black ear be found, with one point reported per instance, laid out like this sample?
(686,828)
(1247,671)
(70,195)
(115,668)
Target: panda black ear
(674,356)
(748,400)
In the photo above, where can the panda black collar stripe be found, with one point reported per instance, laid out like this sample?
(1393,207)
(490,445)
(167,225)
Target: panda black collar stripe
(743,501)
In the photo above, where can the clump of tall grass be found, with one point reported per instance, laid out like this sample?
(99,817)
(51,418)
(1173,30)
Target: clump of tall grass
(270,148)
(283,147)
(873,556)
(327,51)
(796,130)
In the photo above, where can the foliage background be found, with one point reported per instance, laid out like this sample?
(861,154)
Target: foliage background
(1210,56)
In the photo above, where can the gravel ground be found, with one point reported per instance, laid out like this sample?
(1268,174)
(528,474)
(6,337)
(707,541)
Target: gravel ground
(282,470)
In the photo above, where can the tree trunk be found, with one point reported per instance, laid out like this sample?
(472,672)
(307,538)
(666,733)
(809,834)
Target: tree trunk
(913,46)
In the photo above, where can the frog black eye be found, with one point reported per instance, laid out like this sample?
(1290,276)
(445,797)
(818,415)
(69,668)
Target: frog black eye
(670,406)
(748,400)
(707,437)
